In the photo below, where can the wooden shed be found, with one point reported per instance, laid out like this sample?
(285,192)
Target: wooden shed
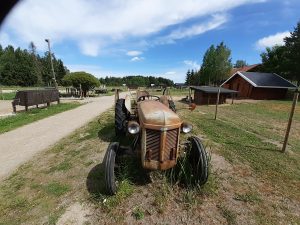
(256,85)
(205,95)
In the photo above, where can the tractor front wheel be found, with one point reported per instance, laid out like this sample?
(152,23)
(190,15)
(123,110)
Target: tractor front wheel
(110,168)
(120,117)
(198,160)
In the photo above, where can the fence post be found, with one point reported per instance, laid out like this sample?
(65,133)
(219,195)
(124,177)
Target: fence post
(286,138)
(217,103)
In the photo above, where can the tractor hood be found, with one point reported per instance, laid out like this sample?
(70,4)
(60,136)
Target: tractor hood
(155,115)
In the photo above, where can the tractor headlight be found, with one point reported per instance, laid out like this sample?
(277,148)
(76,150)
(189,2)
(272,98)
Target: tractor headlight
(133,127)
(186,127)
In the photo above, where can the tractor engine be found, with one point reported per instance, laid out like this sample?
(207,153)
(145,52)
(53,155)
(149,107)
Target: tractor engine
(160,129)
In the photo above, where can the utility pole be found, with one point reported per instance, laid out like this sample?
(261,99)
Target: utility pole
(52,68)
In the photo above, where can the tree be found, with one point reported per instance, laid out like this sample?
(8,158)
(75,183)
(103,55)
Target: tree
(292,44)
(284,60)
(37,68)
(274,60)
(81,79)
(208,65)
(216,65)
(240,63)
(188,78)
(223,63)
(27,68)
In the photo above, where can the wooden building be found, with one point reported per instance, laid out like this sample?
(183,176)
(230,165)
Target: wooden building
(206,95)
(256,85)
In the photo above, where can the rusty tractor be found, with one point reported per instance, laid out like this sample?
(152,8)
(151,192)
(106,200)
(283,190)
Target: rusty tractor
(156,128)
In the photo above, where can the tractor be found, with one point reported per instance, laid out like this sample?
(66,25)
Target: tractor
(155,128)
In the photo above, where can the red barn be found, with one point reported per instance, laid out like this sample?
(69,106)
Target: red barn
(256,85)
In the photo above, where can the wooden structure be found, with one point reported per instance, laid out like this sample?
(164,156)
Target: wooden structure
(250,68)
(206,95)
(35,97)
(256,85)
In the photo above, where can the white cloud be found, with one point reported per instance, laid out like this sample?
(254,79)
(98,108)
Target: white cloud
(94,25)
(216,21)
(94,70)
(134,53)
(170,73)
(136,58)
(272,40)
(192,64)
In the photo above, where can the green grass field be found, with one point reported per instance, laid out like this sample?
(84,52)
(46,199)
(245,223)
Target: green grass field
(250,180)
(23,118)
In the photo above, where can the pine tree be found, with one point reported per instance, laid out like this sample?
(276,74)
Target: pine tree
(188,78)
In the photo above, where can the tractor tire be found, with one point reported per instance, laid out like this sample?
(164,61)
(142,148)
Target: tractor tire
(172,105)
(120,117)
(198,160)
(110,168)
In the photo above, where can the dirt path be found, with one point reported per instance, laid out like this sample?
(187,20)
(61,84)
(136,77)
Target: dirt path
(18,146)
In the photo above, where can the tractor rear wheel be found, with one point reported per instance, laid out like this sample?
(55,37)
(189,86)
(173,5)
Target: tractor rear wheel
(198,160)
(111,168)
(120,117)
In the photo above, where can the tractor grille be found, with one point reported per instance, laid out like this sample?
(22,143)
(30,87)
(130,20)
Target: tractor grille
(153,144)
(171,145)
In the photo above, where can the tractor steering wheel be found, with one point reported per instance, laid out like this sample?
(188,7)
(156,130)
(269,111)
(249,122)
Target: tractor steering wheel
(141,98)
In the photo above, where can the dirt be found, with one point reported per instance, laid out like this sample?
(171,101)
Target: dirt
(76,214)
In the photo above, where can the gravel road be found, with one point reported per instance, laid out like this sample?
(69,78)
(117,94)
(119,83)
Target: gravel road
(20,145)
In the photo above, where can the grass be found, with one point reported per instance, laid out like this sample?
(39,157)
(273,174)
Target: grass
(228,214)
(241,139)
(40,191)
(138,214)
(23,118)
(56,189)
(248,197)
(7,96)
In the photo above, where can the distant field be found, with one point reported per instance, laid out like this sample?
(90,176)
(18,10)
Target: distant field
(23,118)
(251,181)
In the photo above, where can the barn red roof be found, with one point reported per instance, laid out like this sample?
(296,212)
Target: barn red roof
(244,69)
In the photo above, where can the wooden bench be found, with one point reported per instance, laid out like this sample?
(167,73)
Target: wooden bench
(35,97)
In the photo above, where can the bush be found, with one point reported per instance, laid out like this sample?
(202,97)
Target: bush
(86,80)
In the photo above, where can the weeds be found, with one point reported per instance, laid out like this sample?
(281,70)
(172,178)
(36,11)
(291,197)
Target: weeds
(138,213)
(248,197)
(228,214)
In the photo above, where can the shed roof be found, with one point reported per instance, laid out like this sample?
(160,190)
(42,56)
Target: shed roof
(266,80)
(213,90)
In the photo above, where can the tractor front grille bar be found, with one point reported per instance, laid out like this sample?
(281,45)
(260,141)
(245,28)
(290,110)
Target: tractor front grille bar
(161,145)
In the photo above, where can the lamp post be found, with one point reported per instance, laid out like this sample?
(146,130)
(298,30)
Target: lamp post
(52,68)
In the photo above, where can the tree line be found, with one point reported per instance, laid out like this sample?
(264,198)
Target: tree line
(217,66)
(22,67)
(139,81)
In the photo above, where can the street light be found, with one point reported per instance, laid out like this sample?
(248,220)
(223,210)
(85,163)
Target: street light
(52,68)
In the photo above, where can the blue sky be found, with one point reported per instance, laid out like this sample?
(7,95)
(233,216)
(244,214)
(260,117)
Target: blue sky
(153,37)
